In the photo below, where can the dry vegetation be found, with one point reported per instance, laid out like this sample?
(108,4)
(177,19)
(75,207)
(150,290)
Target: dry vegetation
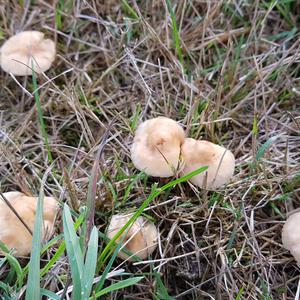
(232,77)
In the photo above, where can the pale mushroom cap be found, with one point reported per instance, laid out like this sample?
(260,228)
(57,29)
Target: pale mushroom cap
(220,162)
(156,147)
(291,235)
(13,233)
(24,50)
(142,235)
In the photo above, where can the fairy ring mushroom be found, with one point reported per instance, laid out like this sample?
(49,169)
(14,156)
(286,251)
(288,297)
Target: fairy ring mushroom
(200,153)
(141,238)
(156,147)
(13,232)
(25,51)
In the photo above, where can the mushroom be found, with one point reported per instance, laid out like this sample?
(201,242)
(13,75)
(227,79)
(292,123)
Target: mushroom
(140,239)
(27,50)
(220,162)
(13,233)
(291,235)
(156,147)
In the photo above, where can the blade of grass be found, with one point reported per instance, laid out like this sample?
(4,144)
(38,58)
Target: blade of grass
(175,33)
(49,294)
(33,283)
(15,264)
(4,287)
(261,151)
(58,14)
(10,277)
(240,294)
(4,248)
(61,249)
(161,289)
(129,188)
(74,253)
(90,264)
(130,10)
(117,286)
(109,265)
(40,115)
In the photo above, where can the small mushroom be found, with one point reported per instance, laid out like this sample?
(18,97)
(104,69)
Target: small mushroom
(13,233)
(156,147)
(220,162)
(291,235)
(141,238)
(27,50)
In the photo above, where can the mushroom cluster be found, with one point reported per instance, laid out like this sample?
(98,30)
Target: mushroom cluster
(160,149)
(25,51)
(13,232)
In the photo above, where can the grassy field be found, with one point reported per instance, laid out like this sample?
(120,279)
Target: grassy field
(228,72)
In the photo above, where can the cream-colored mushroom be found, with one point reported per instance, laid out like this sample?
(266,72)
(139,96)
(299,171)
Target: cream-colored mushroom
(13,232)
(220,162)
(291,235)
(27,50)
(141,238)
(156,147)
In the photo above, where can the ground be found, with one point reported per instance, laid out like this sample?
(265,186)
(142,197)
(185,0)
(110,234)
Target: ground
(227,71)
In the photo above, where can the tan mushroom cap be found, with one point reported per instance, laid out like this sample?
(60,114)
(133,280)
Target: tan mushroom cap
(25,50)
(291,235)
(13,233)
(220,162)
(156,147)
(141,238)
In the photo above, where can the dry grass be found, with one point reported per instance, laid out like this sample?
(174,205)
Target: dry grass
(238,86)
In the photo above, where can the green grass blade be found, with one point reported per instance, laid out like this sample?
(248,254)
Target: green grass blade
(240,294)
(4,287)
(10,277)
(16,266)
(60,249)
(161,289)
(175,33)
(90,263)
(129,188)
(119,285)
(109,265)
(33,283)
(4,248)
(74,252)
(13,262)
(261,151)
(130,10)
(58,14)
(50,295)
(40,115)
